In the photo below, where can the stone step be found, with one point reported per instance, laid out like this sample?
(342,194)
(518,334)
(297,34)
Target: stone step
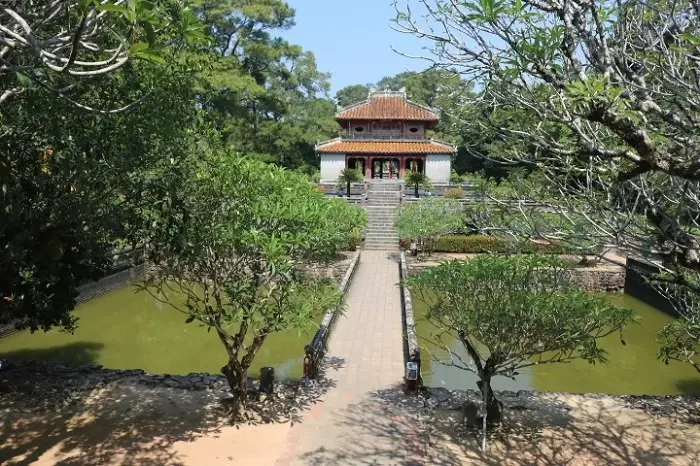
(381,240)
(381,226)
(371,198)
(383,233)
(381,248)
(372,190)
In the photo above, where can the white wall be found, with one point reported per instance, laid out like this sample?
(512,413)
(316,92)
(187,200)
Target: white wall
(438,168)
(331,166)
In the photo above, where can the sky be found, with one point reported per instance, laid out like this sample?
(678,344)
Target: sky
(352,40)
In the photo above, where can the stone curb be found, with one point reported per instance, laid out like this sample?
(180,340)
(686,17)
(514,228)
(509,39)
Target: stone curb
(411,346)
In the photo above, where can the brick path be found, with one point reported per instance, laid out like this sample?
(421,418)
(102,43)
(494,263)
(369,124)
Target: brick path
(361,419)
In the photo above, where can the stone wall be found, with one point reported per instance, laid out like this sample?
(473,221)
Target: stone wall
(604,279)
(637,285)
(101,287)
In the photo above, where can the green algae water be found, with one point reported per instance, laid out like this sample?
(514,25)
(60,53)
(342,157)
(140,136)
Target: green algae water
(632,369)
(128,330)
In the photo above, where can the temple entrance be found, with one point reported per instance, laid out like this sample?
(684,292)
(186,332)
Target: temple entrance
(385,169)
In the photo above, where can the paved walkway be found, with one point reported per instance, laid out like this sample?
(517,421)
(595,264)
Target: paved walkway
(360,419)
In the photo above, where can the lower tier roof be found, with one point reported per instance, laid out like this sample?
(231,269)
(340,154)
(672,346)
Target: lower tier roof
(340,146)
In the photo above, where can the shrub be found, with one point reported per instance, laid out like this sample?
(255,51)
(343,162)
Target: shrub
(455,193)
(471,244)
(354,240)
(474,244)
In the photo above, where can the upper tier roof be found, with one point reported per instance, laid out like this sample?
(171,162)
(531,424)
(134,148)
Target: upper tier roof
(386,105)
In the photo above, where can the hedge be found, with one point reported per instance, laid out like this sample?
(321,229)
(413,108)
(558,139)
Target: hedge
(474,244)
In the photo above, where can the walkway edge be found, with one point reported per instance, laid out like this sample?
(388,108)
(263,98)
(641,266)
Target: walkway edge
(411,346)
(317,348)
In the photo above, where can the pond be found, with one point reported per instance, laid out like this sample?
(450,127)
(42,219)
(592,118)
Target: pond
(128,330)
(631,369)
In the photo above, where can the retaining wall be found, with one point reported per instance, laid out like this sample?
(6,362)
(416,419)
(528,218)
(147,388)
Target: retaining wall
(636,285)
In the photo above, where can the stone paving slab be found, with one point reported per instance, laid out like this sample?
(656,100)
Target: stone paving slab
(362,419)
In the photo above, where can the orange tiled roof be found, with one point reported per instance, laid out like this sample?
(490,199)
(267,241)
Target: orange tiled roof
(340,146)
(387,106)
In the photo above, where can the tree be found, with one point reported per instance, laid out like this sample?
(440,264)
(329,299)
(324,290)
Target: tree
(351,95)
(513,312)
(237,248)
(429,219)
(349,175)
(58,46)
(75,165)
(417,179)
(265,96)
(601,99)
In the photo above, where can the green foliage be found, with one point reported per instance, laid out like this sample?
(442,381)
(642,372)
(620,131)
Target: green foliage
(473,244)
(455,193)
(78,176)
(354,240)
(680,339)
(417,180)
(511,312)
(74,182)
(426,220)
(351,95)
(348,176)
(239,248)
(265,96)
(681,342)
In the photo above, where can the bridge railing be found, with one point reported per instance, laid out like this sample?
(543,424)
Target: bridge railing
(316,350)
(411,348)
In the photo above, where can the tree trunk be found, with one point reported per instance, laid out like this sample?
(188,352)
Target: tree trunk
(348,193)
(238,382)
(494,408)
(416,189)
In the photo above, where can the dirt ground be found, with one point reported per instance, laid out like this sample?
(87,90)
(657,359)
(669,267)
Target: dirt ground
(139,425)
(134,425)
(568,430)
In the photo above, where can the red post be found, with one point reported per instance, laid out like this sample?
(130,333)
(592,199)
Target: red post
(402,169)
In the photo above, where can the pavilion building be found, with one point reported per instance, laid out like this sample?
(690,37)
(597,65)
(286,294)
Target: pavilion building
(385,137)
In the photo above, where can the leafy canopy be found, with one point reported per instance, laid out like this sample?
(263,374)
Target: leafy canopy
(426,220)
(241,248)
(512,312)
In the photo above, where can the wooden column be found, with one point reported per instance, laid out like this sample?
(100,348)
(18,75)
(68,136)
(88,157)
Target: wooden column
(402,167)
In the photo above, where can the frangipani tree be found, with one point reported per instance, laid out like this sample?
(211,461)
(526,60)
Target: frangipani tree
(59,45)
(426,220)
(237,247)
(512,312)
(600,98)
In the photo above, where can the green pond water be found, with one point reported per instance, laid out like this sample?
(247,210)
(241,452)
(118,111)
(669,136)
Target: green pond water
(128,330)
(631,369)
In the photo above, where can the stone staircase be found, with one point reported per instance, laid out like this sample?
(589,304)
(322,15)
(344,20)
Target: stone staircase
(383,202)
